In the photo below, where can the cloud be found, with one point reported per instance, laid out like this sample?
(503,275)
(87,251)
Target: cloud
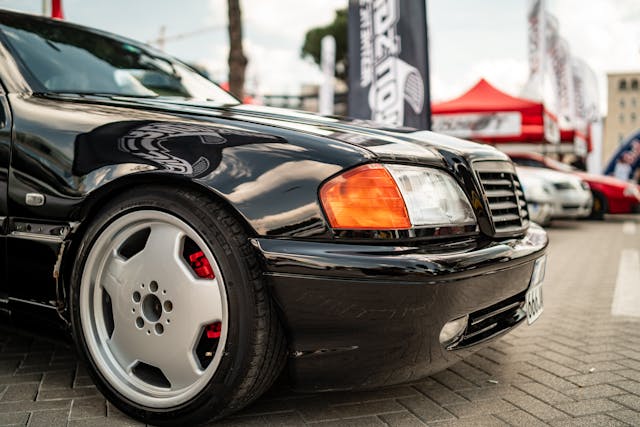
(604,33)
(469,39)
(273,36)
(507,74)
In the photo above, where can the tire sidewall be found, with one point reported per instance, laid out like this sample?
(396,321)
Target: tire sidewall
(215,396)
(604,207)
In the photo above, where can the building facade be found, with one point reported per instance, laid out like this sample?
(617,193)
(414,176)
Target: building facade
(623,115)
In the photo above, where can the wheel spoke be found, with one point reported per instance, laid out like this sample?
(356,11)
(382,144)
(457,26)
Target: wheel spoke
(125,343)
(181,371)
(113,277)
(204,302)
(121,274)
(164,241)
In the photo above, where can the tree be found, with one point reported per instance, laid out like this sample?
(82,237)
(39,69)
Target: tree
(237,60)
(337,29)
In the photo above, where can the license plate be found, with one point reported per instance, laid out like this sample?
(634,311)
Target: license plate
(534,305)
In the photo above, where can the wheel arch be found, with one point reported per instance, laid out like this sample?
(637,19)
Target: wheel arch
(106,194)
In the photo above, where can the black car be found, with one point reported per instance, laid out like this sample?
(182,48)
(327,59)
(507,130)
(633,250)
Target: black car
(194,247)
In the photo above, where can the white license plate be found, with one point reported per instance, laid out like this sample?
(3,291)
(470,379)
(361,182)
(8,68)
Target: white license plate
(534,305)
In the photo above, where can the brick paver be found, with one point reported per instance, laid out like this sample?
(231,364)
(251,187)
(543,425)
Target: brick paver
(576,366)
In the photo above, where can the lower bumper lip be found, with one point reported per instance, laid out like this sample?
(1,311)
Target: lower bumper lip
(364,315)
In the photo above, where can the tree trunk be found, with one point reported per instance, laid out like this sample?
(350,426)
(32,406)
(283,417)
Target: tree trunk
(237,60)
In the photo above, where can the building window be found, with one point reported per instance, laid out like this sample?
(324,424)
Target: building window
(633,102)
(621,102)
(620,138)
(621,117)
(622,85)
(634,84)
(633,116)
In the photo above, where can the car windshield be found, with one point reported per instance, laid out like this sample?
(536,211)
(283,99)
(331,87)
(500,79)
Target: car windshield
(67,59)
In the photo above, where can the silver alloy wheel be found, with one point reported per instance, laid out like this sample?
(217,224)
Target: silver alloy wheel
(149,309)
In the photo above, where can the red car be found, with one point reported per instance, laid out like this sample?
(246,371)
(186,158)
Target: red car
(610,195)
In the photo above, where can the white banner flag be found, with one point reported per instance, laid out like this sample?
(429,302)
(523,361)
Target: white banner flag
(536,48)
(564,73)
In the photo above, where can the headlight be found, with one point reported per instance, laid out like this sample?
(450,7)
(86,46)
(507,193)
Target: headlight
(585,186)
(632,191)
(394,197)
(538,192)
(432,196)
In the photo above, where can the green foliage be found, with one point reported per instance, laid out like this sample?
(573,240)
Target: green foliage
(337,29)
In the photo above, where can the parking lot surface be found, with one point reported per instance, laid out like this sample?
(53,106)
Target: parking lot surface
(579,364)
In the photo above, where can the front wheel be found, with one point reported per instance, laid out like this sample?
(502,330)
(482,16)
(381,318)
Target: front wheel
(169,309)
(599,207)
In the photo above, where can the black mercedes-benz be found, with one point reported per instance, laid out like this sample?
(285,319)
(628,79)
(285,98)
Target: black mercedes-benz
(194,247)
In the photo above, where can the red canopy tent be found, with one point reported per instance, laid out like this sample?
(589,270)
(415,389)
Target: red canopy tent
(486,114)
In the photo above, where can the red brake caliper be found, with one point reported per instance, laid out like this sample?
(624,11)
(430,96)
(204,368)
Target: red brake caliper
(201,266)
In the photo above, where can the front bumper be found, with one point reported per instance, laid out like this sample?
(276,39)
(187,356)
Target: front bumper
(573,204)
(360,316)
(540,212)
(623,205)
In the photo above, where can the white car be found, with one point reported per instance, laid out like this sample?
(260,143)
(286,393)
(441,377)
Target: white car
(571,196)
(540,196)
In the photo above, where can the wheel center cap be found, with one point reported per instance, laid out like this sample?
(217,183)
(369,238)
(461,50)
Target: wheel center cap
(151,308)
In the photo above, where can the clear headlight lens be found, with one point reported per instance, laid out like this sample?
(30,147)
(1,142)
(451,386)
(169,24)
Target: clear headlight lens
(632,191)
(538,192)
(432,196)
(585,186)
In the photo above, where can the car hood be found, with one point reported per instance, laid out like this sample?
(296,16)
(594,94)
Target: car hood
(375,137)
(549,175)
(602,179)
(385,143)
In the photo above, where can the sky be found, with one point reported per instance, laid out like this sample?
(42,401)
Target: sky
(468,39)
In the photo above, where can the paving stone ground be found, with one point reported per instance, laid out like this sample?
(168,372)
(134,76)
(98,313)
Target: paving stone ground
(576,366)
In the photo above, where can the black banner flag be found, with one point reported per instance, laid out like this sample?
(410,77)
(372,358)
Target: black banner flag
(388,62)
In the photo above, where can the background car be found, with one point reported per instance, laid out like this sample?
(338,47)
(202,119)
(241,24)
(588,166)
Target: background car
(540,194)
(571,196)
(610,195)
(194,247)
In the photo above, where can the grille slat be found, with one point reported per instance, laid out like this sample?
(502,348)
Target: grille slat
(503,205)
(506,217)
(499,193)
(563,185)
(504,195)
(498,182)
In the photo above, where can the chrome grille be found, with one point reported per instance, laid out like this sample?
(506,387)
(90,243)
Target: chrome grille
(563,186)
(504,196)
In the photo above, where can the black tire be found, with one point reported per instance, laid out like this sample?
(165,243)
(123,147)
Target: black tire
(600,206)
(254,353)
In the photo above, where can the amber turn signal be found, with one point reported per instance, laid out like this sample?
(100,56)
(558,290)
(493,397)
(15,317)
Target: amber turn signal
(364,198)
